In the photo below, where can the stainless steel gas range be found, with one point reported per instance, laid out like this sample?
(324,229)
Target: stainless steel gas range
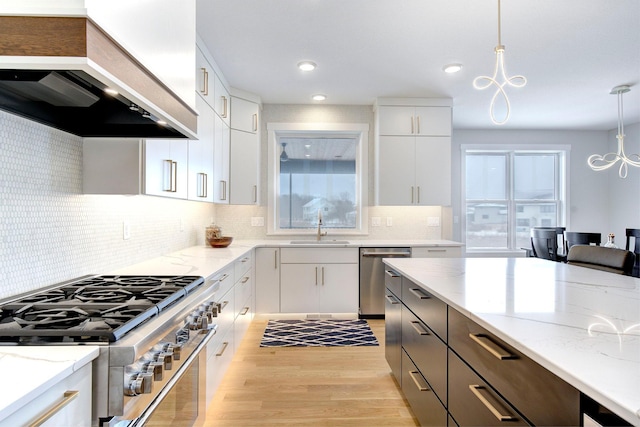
(152,331)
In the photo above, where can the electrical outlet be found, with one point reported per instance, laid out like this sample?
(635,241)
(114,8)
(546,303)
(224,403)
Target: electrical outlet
(257,221)
(389,221)
(433,221)
(375,221)
(126,230)
(181,225)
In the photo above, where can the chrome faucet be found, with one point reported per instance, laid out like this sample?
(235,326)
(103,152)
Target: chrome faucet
(320,233)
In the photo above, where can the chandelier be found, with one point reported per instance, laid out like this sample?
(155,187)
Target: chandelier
(600,163)
(484,82)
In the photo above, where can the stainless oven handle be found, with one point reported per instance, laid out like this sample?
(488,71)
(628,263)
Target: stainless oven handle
(142,419)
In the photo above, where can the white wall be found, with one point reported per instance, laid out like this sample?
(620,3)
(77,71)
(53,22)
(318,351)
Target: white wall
(594,197)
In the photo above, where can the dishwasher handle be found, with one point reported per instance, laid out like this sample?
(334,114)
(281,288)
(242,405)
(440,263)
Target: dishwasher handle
(386,254)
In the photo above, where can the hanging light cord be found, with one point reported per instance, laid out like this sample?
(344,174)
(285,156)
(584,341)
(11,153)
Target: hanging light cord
(484,82)
(599,162)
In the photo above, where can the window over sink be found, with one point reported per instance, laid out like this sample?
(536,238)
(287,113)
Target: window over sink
(317,170)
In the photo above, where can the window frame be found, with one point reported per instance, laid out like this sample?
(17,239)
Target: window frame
(561,198)
(358,130)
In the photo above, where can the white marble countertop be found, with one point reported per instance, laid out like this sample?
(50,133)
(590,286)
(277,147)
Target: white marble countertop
(581,324)
(28,371)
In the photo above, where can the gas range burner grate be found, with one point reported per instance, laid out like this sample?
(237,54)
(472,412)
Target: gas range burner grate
(97,309)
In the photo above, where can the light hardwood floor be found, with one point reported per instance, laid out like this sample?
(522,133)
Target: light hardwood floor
(309,386)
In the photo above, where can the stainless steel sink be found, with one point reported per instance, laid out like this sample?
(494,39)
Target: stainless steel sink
(319,242)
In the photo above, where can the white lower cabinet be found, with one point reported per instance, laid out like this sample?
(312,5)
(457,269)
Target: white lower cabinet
(219,357)
(267,280)
(76,413)
(319,280)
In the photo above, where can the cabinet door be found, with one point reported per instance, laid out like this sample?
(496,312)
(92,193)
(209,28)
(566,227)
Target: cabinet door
(396,171)
(433,121)
(244,168)
(433,171)
(396,120)
(219,356)
(221,162)
(205,77)
(200,180)
(244,115)
(221,103)
(166,168)
(393,334)
(338,288)
(267,280)
(299,284)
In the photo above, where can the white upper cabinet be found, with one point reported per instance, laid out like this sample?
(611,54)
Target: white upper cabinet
(210,85)
(200,180)
(222,103)
(244,115)
(404,120)
(413,153)
(166,169)
(221,157)
(244,167)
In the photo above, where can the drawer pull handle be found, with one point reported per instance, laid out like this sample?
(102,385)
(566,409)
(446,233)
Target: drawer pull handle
(493,348)
(391,273)
(245,279)
(436,250)
(245,310)
(223,349)
(418,328)
(68,396)
(475,389)
(223,277)
(419,293)
(391,299)
(224,305)
(417,379)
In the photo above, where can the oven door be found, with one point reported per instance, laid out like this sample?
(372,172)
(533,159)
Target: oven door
(181,403)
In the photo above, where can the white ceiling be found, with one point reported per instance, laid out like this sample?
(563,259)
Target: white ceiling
(572,52)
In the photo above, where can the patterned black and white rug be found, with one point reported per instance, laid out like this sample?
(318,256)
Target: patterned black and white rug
(318,333)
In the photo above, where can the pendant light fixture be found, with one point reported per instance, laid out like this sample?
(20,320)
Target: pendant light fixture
(283,156)
(484,82)
(600,163)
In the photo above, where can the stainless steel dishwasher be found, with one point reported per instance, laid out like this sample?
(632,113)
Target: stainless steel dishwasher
(372,278)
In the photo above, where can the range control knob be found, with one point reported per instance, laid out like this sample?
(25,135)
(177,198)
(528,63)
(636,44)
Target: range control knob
(136,382)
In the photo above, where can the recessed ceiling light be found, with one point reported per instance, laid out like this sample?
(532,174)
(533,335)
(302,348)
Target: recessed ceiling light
(452,68)
(307,65)
(319,97)
(110,91)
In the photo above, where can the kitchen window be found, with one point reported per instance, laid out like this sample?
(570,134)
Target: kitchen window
(506,192)
(317,170)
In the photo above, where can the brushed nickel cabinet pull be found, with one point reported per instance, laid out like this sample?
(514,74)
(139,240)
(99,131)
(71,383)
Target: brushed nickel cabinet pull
(224,305)
(224,107)
(206,186)
(418,328)
(245,279)
(255,194)
(475,389)
(255,122)
(316,276)
(417,379)
(418,293)
(436,250)
(391,273)
(418,194)
(167,175)
(418,124)
(412,125)
(224,277)
(223,190)
(224,348)
(275,259)
(322,276)
(391,299)
(493,348)
(67,397)
(202,184)
(245,310)
(205,82)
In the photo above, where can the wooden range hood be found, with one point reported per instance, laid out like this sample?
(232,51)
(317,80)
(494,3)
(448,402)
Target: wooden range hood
(45,60)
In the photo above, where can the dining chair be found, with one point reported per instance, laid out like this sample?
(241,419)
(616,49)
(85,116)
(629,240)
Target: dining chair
(579,238)
(613,260)
(544,242)
(635,233)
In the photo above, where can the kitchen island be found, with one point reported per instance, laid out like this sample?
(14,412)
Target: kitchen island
(580,324)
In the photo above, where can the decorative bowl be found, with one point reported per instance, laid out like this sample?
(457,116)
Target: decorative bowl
(221,242)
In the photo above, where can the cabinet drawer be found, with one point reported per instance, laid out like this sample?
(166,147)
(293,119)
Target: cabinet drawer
(428,352)
(243,264)
(393,281)
(319,256)
(227,312)
(428,308)
(243,290)
(474,403)
(541,396)
(424,403)
(225,279)
(393,334)
(436,252)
